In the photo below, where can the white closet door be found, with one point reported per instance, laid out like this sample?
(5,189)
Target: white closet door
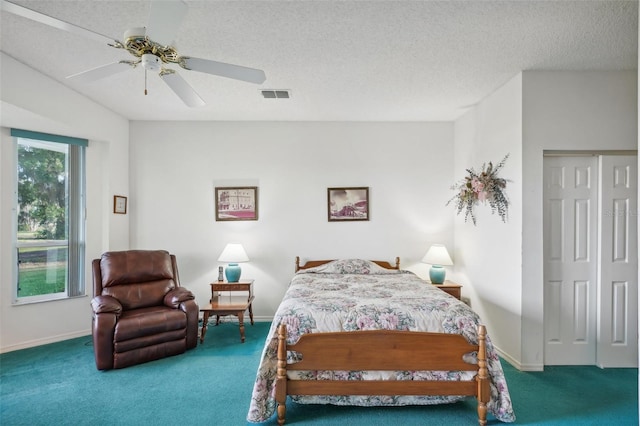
(618,291)
(591,261)
(570,250)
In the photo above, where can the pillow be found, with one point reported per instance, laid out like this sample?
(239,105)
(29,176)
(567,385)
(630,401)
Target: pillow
(349,266)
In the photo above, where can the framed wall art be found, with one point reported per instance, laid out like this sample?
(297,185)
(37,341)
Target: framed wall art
(236,203)
(348,204)
(119,204)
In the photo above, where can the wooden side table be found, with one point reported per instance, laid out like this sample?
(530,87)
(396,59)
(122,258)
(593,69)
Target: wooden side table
(221,305)
(451,288)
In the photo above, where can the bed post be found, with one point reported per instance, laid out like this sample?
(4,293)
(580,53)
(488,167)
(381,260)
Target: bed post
(397,262)
(484,392)
(281,375)
(297,263)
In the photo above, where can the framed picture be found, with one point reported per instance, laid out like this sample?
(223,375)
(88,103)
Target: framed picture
(348,204)
(119,204)
(236,203)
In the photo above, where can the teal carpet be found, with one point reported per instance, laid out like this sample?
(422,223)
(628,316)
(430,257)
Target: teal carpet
(58,384)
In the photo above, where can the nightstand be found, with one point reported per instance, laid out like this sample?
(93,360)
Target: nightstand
(222,304)
(450,287)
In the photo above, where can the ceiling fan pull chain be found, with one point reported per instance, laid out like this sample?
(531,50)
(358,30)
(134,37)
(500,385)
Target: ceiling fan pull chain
(145,82)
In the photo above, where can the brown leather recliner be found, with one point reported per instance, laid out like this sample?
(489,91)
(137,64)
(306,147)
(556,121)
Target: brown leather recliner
(140,312)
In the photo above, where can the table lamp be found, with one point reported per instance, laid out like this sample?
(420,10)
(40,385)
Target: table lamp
(437,256)
(233,253)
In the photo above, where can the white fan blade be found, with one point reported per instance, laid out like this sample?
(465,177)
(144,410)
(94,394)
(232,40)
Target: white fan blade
(54,22)
(100,72)
(164,20)
(182,89)
(237,72)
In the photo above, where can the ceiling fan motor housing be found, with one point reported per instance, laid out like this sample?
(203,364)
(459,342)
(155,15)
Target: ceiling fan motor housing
(151,62)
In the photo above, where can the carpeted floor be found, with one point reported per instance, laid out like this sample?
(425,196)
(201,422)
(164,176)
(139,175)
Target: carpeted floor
(58,384)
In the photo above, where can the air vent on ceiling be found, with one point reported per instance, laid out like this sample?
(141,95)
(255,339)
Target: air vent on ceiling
(275,94)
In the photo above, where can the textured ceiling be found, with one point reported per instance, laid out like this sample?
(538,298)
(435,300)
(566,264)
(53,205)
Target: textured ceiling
(341,60)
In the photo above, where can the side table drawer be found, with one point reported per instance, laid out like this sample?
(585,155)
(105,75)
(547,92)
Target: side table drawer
(451,288)
(231,287)
(455,292)
(221,286)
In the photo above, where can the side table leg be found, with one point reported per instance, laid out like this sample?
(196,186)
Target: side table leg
(203,331)
(251,313)
(241,321)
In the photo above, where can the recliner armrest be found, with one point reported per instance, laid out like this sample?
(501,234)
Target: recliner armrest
(175,297)
(106,304)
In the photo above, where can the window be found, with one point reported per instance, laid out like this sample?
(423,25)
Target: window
(50,209)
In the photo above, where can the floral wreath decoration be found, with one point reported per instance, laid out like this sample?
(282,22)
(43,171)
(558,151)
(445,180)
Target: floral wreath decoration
(483,187)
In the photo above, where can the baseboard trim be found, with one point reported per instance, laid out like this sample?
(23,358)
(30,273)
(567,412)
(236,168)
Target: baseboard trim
(532,367)
(44,341)
(517,364)
(263,318)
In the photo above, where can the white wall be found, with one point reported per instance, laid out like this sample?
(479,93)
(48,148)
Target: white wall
(488,256)
(533,112)
(34,102)
(175,166)
(564,111)
(409,167)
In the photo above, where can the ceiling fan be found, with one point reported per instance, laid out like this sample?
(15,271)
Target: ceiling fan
(152,48)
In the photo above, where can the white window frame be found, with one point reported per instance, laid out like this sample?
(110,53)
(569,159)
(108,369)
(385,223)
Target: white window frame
(75,285)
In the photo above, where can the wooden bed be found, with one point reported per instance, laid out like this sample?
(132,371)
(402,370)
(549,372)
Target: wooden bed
(394,350)
(366,333)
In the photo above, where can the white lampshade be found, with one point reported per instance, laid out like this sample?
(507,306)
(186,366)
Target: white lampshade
(437,255)
(233,253)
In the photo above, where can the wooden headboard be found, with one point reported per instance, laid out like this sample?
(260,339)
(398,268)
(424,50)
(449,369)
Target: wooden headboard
(314,263)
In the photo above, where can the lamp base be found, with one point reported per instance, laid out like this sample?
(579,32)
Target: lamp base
(437,274)
(232,272)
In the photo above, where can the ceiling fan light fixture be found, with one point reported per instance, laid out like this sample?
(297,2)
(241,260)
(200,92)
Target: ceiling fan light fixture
(151,62)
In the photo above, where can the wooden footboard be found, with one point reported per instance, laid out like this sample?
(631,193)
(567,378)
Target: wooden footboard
(382,350)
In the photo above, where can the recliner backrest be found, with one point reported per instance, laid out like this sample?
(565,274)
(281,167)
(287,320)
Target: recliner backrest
(137,278)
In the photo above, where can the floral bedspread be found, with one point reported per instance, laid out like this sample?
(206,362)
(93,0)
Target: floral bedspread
(349,295)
